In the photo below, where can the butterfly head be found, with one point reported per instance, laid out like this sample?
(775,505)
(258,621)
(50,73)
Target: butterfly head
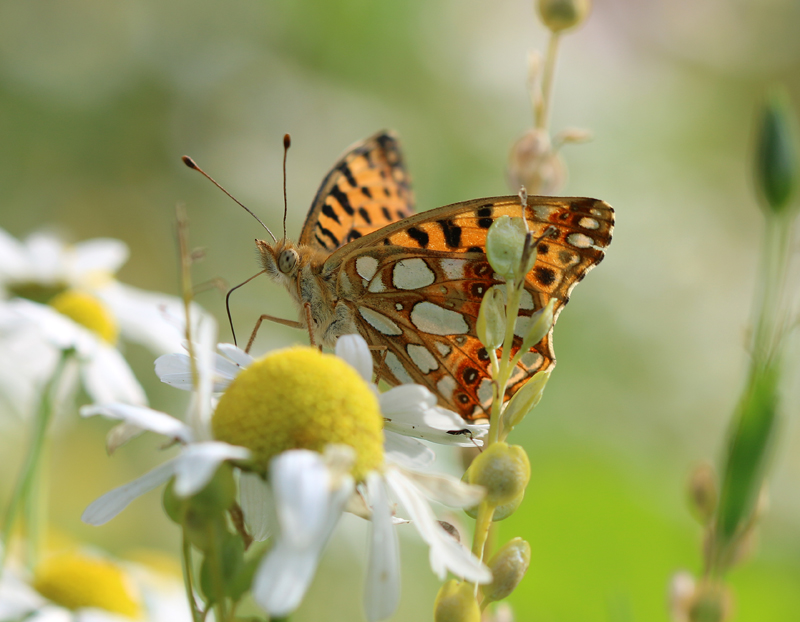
(279,259)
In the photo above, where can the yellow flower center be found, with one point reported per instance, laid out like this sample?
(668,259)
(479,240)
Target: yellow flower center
(74,581)
(87,311)
(299,398)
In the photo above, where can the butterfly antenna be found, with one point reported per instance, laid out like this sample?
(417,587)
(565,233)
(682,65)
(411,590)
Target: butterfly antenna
(228,302)
(287,142)
(193,165)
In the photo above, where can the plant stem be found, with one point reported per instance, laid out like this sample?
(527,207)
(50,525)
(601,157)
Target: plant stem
(542,112)
(186,555)
(22,499)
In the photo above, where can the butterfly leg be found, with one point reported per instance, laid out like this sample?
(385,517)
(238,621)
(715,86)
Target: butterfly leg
(277,320)
(384,351)
(309,321)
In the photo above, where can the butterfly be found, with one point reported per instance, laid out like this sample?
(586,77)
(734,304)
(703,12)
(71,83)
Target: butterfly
(412,284)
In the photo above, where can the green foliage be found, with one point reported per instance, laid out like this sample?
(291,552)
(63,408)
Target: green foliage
(776,153)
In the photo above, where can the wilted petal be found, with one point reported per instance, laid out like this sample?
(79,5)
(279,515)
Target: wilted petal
(112,503)
(447,489)
(142,417)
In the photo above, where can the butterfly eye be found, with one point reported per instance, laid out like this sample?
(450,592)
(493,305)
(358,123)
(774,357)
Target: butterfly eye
(287,261)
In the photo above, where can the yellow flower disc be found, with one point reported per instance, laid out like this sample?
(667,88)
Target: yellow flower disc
(299,398)
(74,581)
(87,311)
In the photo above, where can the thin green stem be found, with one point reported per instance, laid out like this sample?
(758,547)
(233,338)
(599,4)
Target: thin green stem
(542,112)
(186,556)
(214,556)
(25,489)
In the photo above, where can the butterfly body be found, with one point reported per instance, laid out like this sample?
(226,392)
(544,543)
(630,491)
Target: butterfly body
(412,284)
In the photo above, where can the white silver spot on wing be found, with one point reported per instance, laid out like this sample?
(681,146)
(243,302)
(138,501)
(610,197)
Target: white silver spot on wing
(443,349)
(446,386)
(422,358)
(377,286)
(542,211)
(366,267)
(578,240)
(597,212)
(522,325)
(435,320)
(453,268)
(526,300)
(516,375)
(412,274)
(531,360)
(485,391)
(398,306)
(379,322)
(397,369)
(588,223)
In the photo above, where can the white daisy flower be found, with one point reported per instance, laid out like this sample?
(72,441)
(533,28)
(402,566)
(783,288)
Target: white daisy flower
(314,429)
(82,586)
(410,411)
(55,297)
(200,456)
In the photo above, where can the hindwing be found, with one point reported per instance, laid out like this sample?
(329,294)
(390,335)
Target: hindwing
(415,287)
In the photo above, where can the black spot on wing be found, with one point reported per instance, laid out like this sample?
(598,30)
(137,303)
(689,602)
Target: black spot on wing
(545,276)
(474,249)
(330,213)
(419,236)
(366,192)
(328,234)
(345,170)
(340,196)
(386,213)
(365,215)
(452,233)
(353,235)
(542,249)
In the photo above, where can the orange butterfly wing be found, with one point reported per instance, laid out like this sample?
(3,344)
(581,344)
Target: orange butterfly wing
(415,287)
(366,189)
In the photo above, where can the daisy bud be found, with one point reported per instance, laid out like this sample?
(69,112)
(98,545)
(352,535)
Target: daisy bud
(456,602)
(508,566)
(491,326)
(525,400)
(711,603)
(681,592)
(703,493)
(560,15)
(504,243)
(776,155)
(539,324)
(503,470)
(533,163)
(501,511)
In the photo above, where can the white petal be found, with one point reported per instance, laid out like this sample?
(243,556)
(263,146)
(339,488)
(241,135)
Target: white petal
(286,572)
(406,402)
(355,352)
(447,489)
(445,551)
(154,320)
(142,417)
(108,378)
(406,451)
(301,484)
(382,591)
(199,417)
(198,462)
(175,370)
(46,258)
(17,598)
(97,255)
(120,434)
(102,510)
(235,354)
(254,498)
(52,613)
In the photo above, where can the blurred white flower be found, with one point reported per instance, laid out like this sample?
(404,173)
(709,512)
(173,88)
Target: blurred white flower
(55,297)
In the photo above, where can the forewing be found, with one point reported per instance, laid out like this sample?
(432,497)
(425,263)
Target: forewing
(415,287)
(366,190)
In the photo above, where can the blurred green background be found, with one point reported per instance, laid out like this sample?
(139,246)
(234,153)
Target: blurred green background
(98,101)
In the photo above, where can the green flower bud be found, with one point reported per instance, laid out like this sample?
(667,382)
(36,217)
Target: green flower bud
(712,603)
(540,324)
(776,156)
(491,327)
(501,512)
(456,602)
(503,470)
(560,15)
(505,241)
(508,566)
(525,400)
